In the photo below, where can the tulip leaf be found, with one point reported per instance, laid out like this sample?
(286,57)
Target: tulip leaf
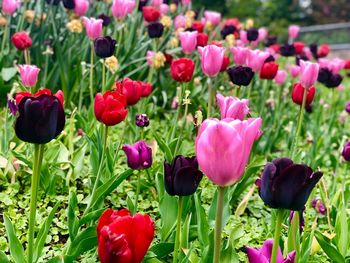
(341,229)
(329,248)
(85,241)
(71,216)
(164,147)
(42,235)
(92,216)
(3,258)
(162,249)
(185,233)
(202,222)
(16,249)
(168,211)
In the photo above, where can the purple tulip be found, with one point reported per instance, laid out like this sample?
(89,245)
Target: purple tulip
(318,205)
(139,155)
(346,151)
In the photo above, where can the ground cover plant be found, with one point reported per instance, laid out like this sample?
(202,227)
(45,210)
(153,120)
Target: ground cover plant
(146,131)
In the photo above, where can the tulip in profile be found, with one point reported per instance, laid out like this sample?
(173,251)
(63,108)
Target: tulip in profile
(150,13)
(139,155)
(213,17)
(293,31)
(81,7)
(121,8)
(232,107)
(188,41)
(93,27)
(104,46)
(294,70)
(346,151)
(281,77)
(132,90)
(240,76)
(212,58)
(28,74)
(240,55)
(308,73)
(298,93)
(256,59)
(10,6)
(182,69)
(268,70)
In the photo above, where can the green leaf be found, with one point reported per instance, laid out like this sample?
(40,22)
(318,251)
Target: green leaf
(168,212)
(3,258)
(185,233)
(329,248)
(202,222)
(162,249)
(8,73)
(164,147)
(42,235)
(341,229)
(16,249)
(85,241)
(71,216)
(92,216)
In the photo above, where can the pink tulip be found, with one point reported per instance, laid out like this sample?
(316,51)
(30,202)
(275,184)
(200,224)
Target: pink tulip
(240,55)
(280,77)
(243,36)
(294,70)
(256,59)
(188,41)
(223,148)
(213,17)
(81,7)
(262,34)
(340,88)
(156,3)
(212,58)
(185,2)
(335,65)
(263,255)
(308,73)
(232,107)
(293,31)
(164,9)
(121,8)
(180,21)
(149,56)
(308,53)
(28,74)
(10,6)
(93,27)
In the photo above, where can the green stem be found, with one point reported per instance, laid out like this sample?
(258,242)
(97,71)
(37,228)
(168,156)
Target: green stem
(91,71)
(4,40)
(137,191)
(218,224)
(98,176)
(38,157)
(300,121)
(178,230)
(181,129)
(176,119)
(210,98)
(278,228)
(295,234)
(103,76)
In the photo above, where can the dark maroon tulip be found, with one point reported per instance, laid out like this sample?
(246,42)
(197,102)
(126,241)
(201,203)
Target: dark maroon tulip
(104,46)
(228,30)
(326,77)
(106,19)
(271,40)
(240,75)
(69,4)
(182,177)
(139,155)
(142,120)
(346,151)
(287,50)
(252,34)
(40,119)
(155,30)
(284,184)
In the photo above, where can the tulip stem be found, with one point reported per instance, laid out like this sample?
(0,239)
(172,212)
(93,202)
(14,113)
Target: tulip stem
(176,119)
(278,228)
(103,76)
(300,121)
(4,40)
(295,229)
(210,97)
(97,180)
(38,157)
(137,191)
(183,125)
(91,71)
(218,224)
(178,230)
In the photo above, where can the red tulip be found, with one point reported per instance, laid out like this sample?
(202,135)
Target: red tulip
(123,237)
(347,64)
(150,13)
(20,95)
(268,70)
(110,107)
(132,90)
(21,40)
(198,26)
(298,93)
(182,69)
(275,47)
(323,51)
(299,47)
(169,58)
(146,88)
(225,63)
(202,39)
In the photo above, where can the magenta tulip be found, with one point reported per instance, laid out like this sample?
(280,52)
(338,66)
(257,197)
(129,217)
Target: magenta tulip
(256,59)
(212,58)
(243,36)
(232,107)
(308,73)
(28,74)
(223,148)
(240,55)
(121,8)
(10,6)
(293,31)
(188,41)
(81,7)
(93,27)
(263,255)
(281,77)
(294,70)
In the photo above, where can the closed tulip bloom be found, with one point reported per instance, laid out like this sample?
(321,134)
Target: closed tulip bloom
(104,46)
(121,8)
(223,148)
(293,31)
(225,63)
(81,7)
(287,50)
(308,73)
(182,177)
(21,40)
(268,70)
(232,107)
(323,50)
(139,155)
(243,36)
(180,21)
(10,6)
(106,19)
(150,13)
(298,93)
(164,9)
(123,237)
(299,47)
(188,41)
(198,26)
(240,76)
(256,59)
(69,4)
(132,90)
(228,30)
(93,27)
(213,17)
(146,89)
(263,255)
(347,107)
(110,108)
(142,120)
(41,117)
(252,34)
(346,151)
(294,70)
(280,77)
(240,55)
(212,58)
(202,39)
(263,33)
(286,185)
(155,30)
(28,74)
(182,69)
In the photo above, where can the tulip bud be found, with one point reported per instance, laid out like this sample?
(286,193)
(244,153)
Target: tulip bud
(308,73)
(228,30)
(213,17)
(268,70)
(10,6)
(188,41)
(142,120)
(121,8)
(132,90)
(299,47)
(81,7)
(298,93)
(21,40)
(212,57)
(202,39)
(93,27)
(69,4)
(232,107)
(252,34)
(29,75)
(139,155)
(240,76)
(182,69)
(104,46)
(280,77)
(106,19)
(150,13)
(155,30)
(293,31)
(182,177)
(323,51)
(346,151)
